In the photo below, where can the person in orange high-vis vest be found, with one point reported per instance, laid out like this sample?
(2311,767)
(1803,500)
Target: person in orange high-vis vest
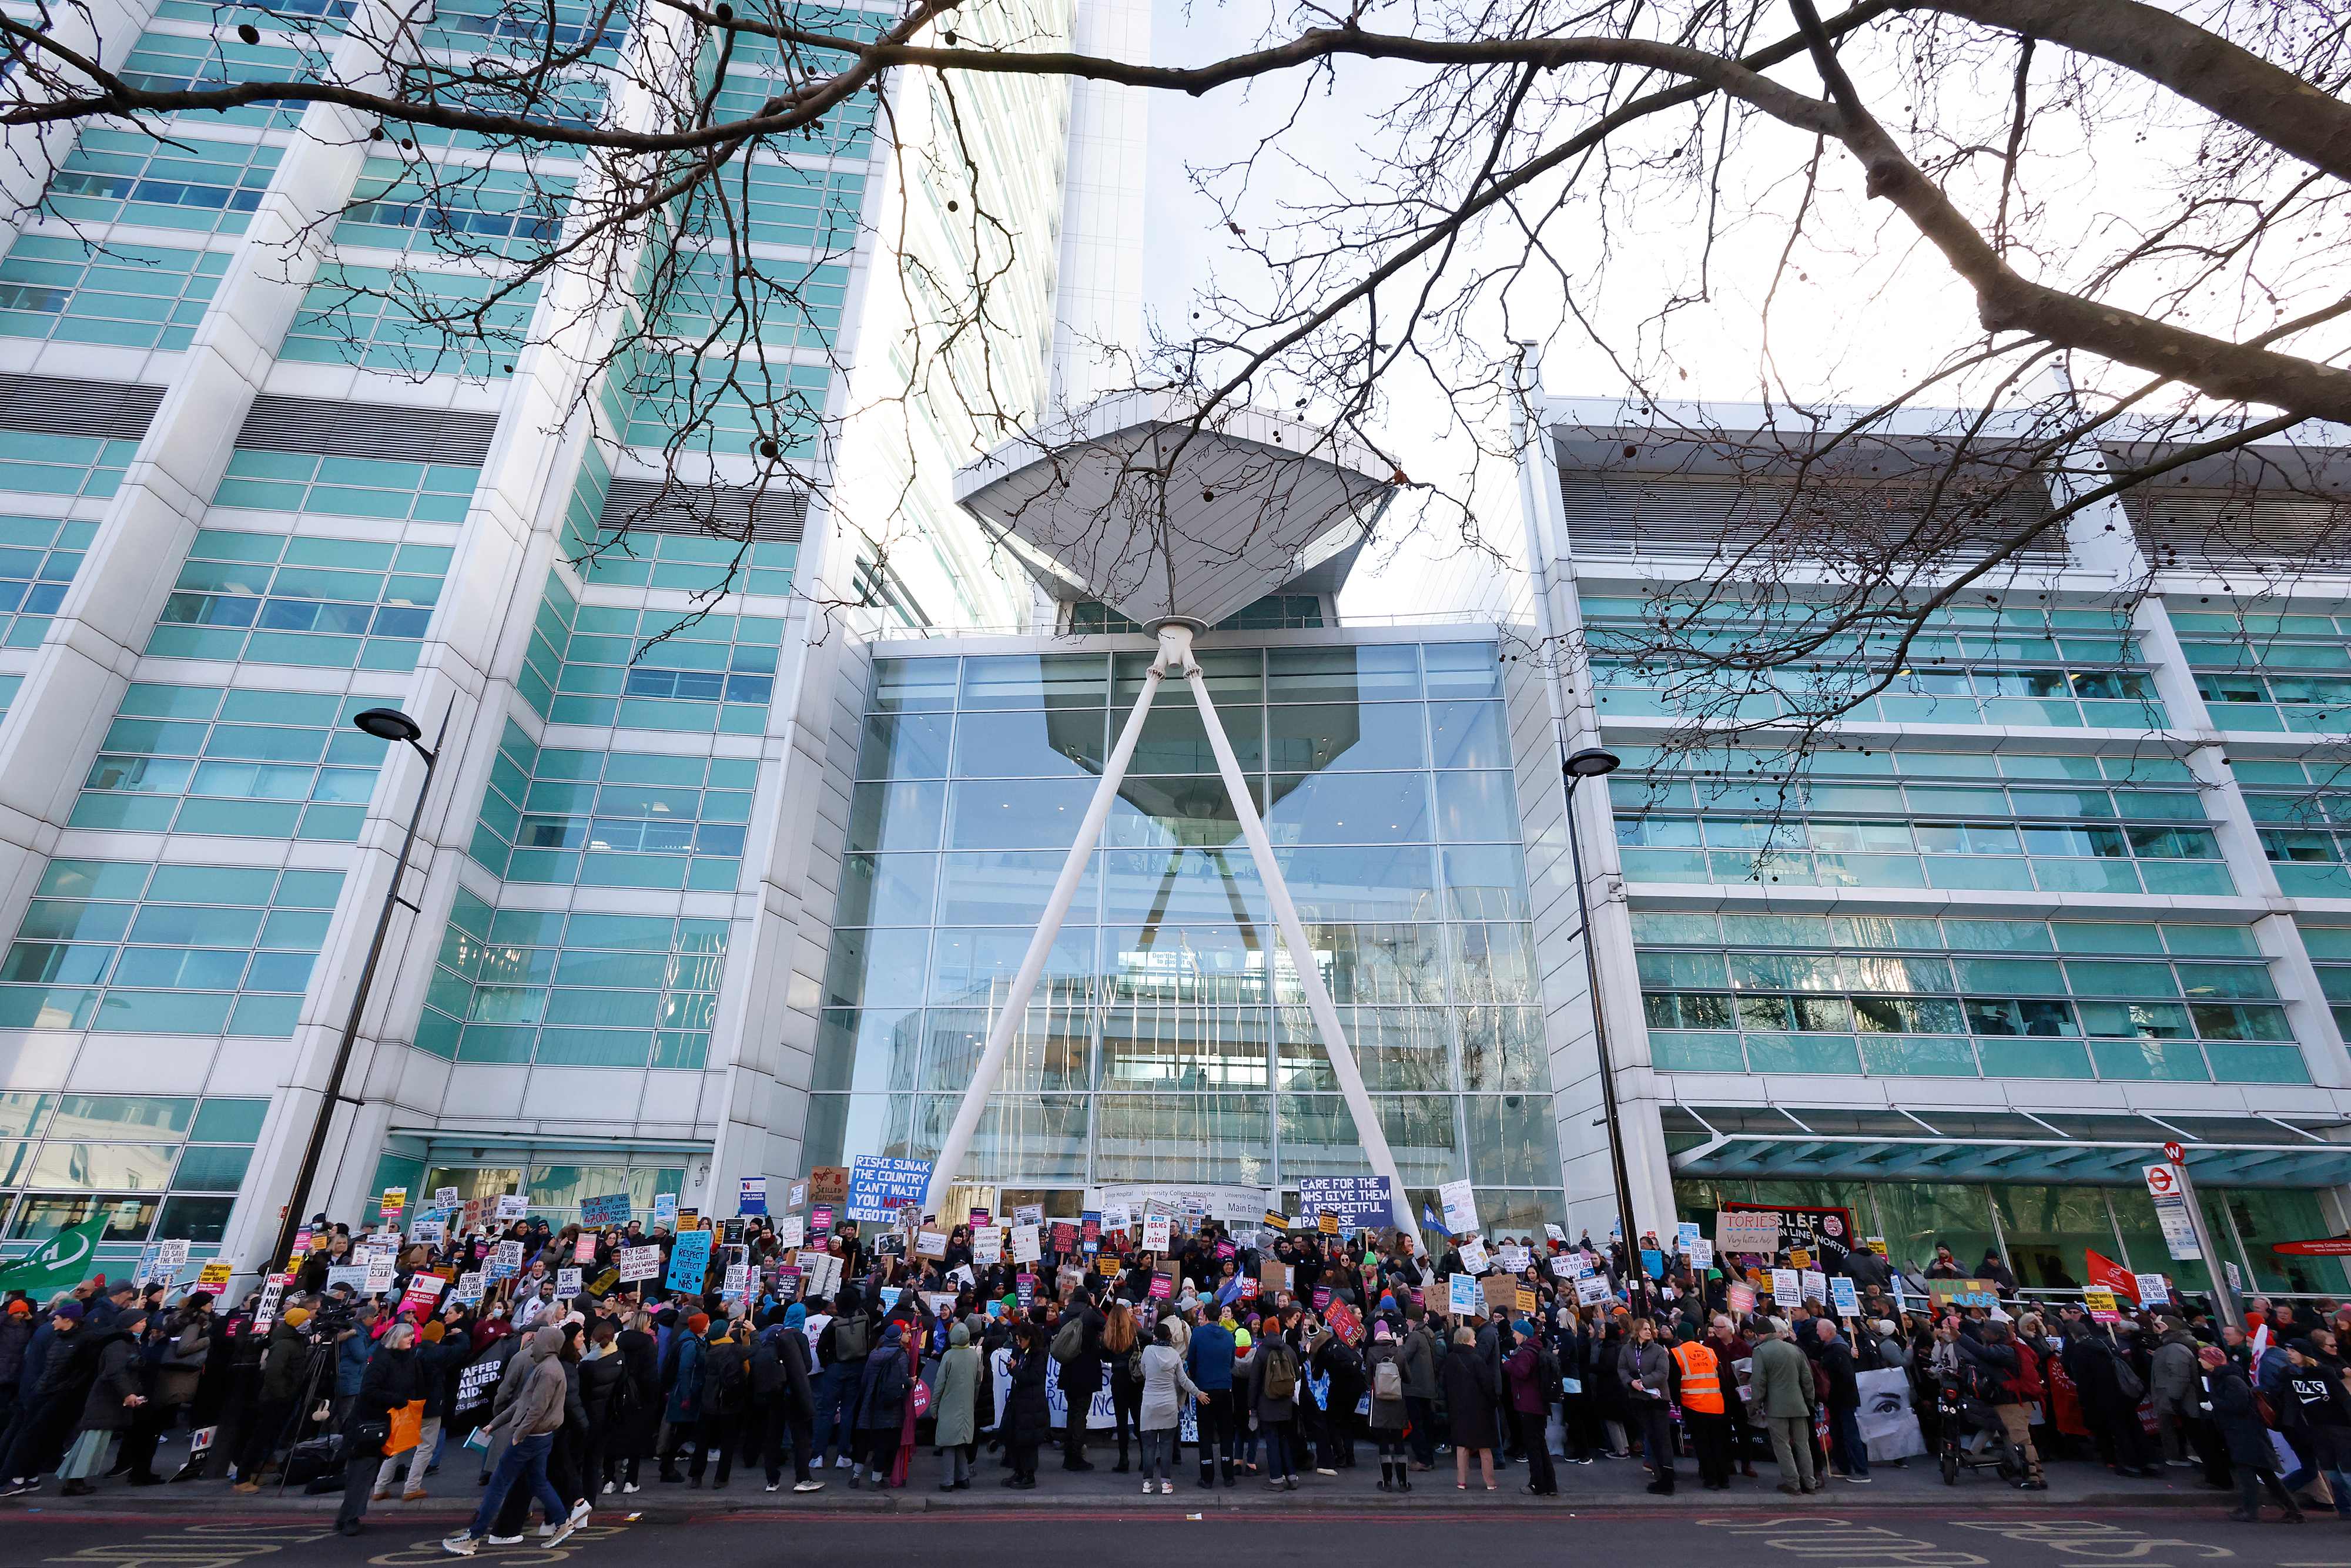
(1701,1374)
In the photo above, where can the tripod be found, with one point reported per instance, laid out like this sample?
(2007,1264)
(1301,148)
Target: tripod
(319,1370)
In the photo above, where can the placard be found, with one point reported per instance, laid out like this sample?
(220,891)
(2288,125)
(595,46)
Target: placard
(1800,1259)
(665,1211)
(1117,1217)
(791,1232)
(829,1184)
(1739,1299)
(2100,1301)
(1592,1290)
(1274,1277)
(1554,1233)
(640,1263)
(821,1221)
(752,1196)
(1029,1214)
(1816,1285)
(213,1274)
(354,1275)
(1154,1233)
(513,1205)
(446,1198)
(468,1288)
(1462,1298)
(395,1204)
(612,1208)
(2154,1291)
(1354,1200)
(505,1261)
(1524,1303)
(689,1262)
(1787,1290)
(380,1270)
(1842,1298)
(1746,1230)
(423,1290)
(738,1283)
(1500,1292)
(1515,1259)
(567,1283)
(1962,1293)
(930,1244)
(879,1186)
(1028,1246)
(1569,1265)
(1701,1253)
(987,1244)
(1459,1202)
(430,1232)
(1473,1256)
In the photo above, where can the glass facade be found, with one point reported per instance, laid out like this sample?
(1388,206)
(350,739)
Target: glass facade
(166,1168)
(1169,1041)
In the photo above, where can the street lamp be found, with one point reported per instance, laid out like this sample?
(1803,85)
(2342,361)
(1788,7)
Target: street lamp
(386,724)
(1592,762)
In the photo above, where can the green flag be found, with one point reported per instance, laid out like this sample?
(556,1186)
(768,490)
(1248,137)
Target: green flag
(58,1264)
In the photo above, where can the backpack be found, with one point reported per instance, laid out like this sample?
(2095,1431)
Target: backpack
(1280,1371)
(1387,1381)
(2127,1381)
(1070,1340)
(1548,1377)
(848,1339)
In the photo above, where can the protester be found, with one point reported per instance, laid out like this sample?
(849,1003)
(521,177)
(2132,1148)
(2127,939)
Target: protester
(1469,1386)
(110,1354)
(1160,1411)
(2230,1398)
(1786,1394)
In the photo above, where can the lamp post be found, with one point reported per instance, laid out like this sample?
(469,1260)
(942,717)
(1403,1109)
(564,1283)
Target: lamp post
(387,724)
(1592,762)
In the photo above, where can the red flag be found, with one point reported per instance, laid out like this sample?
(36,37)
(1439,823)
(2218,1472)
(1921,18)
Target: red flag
(2112,1276)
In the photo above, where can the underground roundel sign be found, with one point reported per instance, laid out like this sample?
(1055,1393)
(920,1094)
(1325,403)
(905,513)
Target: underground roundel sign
(2160,1181)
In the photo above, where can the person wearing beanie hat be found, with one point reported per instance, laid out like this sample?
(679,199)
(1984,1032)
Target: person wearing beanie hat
(955,1405)
(697,1324)
(1384,1378)
(1526,1374)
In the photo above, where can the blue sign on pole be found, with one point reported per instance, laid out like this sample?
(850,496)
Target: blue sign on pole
(690,1262)
(880,1186)
(752,1197)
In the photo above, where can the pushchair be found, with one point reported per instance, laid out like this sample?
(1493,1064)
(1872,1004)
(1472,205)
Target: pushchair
(1958,1414)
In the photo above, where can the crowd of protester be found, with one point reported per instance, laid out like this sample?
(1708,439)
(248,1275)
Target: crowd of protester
(1235,1357)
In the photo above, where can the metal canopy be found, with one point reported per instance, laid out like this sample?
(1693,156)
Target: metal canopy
(1748,1141)
(1127,503)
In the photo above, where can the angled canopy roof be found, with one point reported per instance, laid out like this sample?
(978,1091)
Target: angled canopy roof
(1128,503)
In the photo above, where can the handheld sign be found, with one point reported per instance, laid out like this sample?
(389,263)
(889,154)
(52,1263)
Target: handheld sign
(1842,1298)
(1462,1297)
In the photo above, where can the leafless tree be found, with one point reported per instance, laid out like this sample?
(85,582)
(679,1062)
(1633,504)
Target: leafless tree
(2150,198)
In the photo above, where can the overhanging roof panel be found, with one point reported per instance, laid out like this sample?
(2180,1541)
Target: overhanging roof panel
(1129,503)
(2091,1164)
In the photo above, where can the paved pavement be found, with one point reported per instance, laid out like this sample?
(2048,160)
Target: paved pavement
(1836,1534)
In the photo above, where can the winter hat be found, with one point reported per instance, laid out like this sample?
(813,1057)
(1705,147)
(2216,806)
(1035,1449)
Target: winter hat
(436,1329)
(65,1310)
(20,1308)
(297,1316)
(1523,1328)
(795,1316)
(1380,1332)
(697,1323)
(1240,1339)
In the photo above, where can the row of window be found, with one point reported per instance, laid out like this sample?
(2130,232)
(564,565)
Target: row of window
(131,296)
(38,558)
(240,763)
(621,819)
(653,669)
(1466,964)
(2124,1059)
(1364,673)
(1185,1049)
(299,599)
(2056,697)
(632,557)
(517,986)
(166,949)
(410,323)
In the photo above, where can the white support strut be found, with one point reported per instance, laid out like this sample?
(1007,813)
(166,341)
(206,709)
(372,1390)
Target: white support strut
(1015,1009)
(1343,1067)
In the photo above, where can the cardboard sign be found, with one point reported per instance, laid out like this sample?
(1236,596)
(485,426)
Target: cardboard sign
(1962,1293)
(640,1263)
(1500,1292)
(1154,1233)
(1272,1278)
(930,1244)
(1746,1230)
(829,1184)
(513,1205)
